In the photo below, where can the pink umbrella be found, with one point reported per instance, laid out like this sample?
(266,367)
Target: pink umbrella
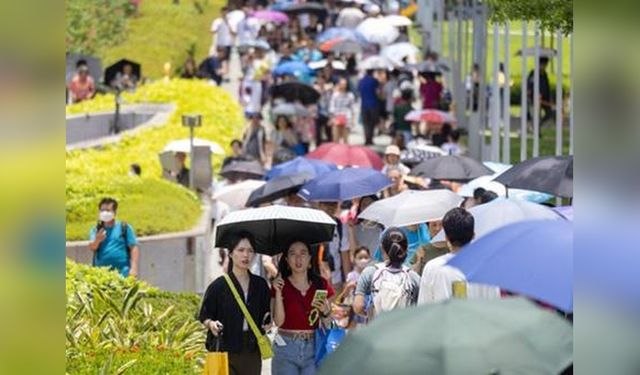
(347,155)
(430,115)
(270,16)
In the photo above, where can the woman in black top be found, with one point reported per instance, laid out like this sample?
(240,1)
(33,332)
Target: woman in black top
(220,312)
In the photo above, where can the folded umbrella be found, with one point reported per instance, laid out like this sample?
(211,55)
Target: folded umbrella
(243,170)
(296,91)
(236,195)
(430,115)
(532,258)
(275,188)
(377,30)
(347,155)
(344,184)
(501,212)
(548,174)
(184,145)
(411,207)
(276,227)
(301,165)
(451,167)
(502,336)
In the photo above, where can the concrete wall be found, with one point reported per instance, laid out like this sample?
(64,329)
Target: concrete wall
(98,128)
(167,261)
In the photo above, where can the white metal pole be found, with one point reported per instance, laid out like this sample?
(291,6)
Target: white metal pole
(523,96)
(559,106)
(495,97)
(506,103)
(536,92)
(191,173)
(571,96)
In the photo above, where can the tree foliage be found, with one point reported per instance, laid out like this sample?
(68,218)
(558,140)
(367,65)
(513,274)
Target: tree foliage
(552,14)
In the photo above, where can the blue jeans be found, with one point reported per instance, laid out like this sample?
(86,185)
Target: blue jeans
(296,358)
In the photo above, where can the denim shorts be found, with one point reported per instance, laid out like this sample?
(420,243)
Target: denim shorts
(296,358)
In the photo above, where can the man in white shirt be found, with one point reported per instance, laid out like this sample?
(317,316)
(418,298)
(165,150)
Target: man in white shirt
(223,38)
(437,276)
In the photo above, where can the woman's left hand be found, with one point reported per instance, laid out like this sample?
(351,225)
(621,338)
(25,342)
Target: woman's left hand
(322,306)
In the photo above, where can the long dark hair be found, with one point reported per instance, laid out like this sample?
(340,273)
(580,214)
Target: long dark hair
(234,240)
(313,273)
(395,244)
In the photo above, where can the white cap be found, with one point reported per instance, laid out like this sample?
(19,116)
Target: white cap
(392,150)
(373,9)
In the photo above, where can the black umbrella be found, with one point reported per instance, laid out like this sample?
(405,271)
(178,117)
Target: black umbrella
(112,71)
(277,187)
(243,170)
(296,91)
(451,167)
(547,174)
(93,63)
(311,8)
(276,227)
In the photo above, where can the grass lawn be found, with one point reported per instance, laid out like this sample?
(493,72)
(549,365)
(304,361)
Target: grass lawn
(164,32)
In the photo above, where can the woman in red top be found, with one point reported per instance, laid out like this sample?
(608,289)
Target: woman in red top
(296,311)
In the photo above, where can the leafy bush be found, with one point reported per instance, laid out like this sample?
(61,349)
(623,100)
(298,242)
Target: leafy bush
(151,204)
(115,325)
(92,25)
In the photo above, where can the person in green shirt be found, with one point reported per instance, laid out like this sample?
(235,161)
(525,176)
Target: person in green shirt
(401,107)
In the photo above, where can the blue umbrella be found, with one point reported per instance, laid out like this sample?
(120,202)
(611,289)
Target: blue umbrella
(294,68)
(532,258)
(301,165)
(344,184)
(340,32)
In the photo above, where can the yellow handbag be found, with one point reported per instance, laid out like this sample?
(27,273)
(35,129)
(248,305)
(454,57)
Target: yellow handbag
(216,363)
(263,341)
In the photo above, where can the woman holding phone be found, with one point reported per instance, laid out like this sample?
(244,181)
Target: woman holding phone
(300,300)
(222,315)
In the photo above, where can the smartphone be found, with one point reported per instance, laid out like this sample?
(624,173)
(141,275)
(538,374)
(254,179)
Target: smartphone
(320,295)
(99,226)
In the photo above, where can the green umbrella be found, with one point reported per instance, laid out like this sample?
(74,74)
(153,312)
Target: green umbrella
(505,336)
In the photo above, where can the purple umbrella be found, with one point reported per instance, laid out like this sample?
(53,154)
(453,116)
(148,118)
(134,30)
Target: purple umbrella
(270,16)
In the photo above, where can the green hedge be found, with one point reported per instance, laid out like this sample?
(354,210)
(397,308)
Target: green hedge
(151,204)
(115,324)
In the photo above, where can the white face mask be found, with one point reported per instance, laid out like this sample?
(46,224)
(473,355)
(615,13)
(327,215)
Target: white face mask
(362,263)
(107,216)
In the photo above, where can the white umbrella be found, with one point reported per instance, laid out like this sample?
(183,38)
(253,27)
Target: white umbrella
(487,183)
(184,145)
(399,51)
(411,207)
(375,62)
(350,17)
(236,195)
(290,109)
(377,30)
(335,64)
(398,21)
(276,227)
(501,211)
